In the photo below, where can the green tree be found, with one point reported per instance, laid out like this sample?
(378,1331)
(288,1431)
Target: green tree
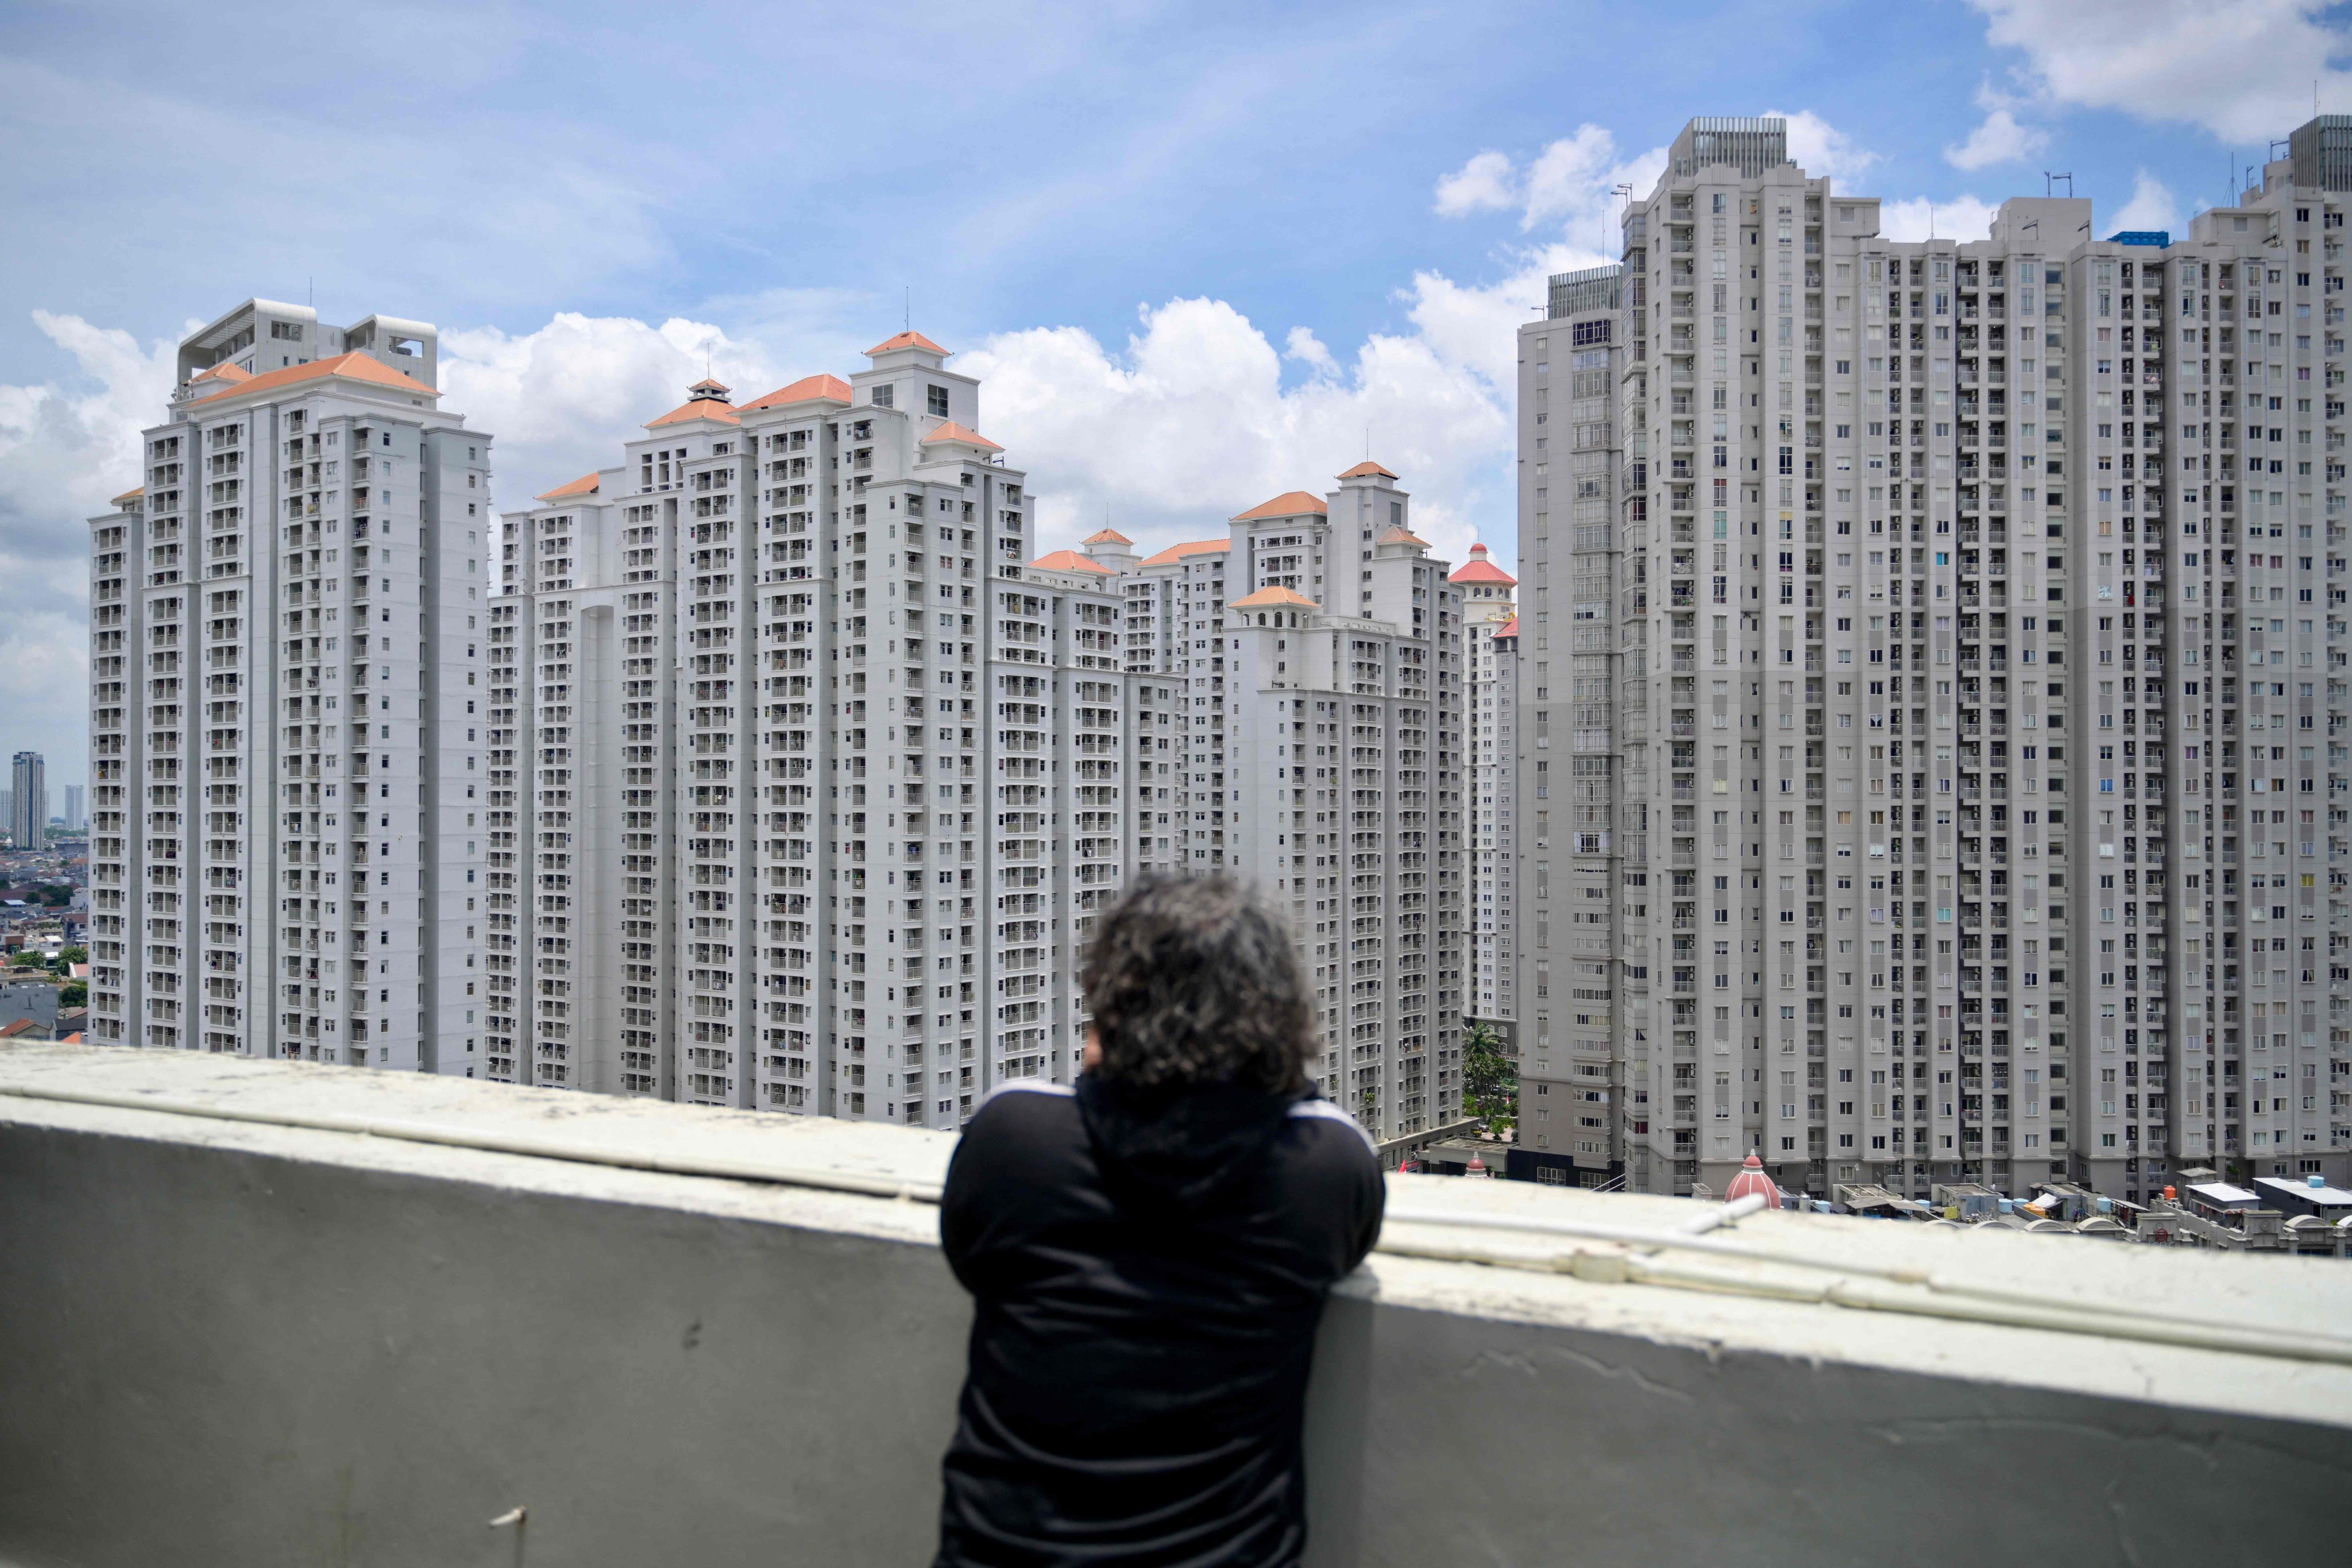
(73,994)
(1490,1084)
(54,896)
(74,955)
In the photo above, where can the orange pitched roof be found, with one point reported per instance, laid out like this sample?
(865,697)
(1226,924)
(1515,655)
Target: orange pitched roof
(707,384)
(1068,561)
(905,341)
(1290,503)
(1479,569)
(1105,536)
(1398,536)
(699,408)
(951,431)
(1176,553)
(349,367)
(1509,628)
(586,485)
(807,389)
(1274,598)
(129,495)
(1367,466)
(224,371)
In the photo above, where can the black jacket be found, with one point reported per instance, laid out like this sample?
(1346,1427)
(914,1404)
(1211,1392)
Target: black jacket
(1148,1292)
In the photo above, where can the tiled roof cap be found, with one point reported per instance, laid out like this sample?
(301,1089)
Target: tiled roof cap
(907,340)
(349,367)
(1274,598)
(1290,503)
(1069,561)
(586,485)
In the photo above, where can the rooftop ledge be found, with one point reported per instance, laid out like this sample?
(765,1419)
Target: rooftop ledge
(260,1312)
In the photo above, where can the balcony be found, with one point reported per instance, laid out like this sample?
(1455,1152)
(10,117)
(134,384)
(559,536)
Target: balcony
(281,1313)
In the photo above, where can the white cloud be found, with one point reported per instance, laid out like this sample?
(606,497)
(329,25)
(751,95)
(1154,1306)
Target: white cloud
(1188,423)
(559,401)
(1573,182)
(1922,217)
(1477,325)
(2000,140)
(63,454)
(2220,64)
(1821,148)
(1304,346)
(2152,207)
(1570,177)
(1485,183)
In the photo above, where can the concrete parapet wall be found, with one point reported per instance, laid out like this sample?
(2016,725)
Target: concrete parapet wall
(239,1343)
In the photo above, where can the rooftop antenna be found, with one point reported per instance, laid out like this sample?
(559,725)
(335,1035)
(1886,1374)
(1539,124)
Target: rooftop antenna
(2050,181)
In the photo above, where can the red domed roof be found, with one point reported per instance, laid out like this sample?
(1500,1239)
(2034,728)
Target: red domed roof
(1753,1178)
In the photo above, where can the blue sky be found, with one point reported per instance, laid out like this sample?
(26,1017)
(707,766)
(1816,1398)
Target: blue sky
(1201,253)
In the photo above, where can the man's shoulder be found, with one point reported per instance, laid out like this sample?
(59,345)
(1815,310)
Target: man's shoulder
(1026,1099)
(1324,1137)
(1025,1113)
(1324,1122)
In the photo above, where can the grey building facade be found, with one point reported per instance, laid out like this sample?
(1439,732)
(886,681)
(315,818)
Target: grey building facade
(28,799)
(1959,856)
(1581,776)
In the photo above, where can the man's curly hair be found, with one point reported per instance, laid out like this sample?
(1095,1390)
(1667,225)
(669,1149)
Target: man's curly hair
(1193,982)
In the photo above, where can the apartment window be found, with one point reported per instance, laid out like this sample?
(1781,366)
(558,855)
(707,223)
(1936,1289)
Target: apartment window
(937,397)
(885,397)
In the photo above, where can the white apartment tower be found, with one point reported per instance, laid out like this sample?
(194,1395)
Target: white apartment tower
(1486,609)
(810,789)
(807,786)
(1298,691)
(1937,609)
(582,913)
(1577,841)
(285,741)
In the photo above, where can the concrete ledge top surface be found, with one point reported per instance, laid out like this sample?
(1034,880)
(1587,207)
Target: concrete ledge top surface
(2295,1296)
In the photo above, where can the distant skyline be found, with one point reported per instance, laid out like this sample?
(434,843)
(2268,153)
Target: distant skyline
(1209,252)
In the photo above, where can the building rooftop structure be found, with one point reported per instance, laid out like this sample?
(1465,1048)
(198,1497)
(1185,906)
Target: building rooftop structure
(691,1336)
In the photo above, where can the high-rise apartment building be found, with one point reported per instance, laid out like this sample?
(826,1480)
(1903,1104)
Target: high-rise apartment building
(1299,691)
(286,749)
(77,809)
(1486,608)
(807,790)
(28,801)
(808,785)
(1979,725)
(1578,868)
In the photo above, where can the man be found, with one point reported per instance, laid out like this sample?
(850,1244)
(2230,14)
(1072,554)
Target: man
(1149,1253)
